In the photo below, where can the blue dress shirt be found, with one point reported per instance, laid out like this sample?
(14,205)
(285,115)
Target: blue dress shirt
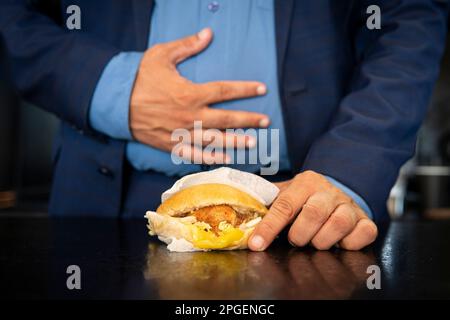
(243,48)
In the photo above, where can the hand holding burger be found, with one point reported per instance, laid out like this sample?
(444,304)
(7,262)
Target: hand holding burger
(320,213)
(225,209)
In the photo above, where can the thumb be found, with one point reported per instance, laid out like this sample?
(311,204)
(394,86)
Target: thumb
(184,48)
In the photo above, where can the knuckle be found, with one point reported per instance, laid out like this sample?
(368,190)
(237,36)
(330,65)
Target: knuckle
(314,213)
(313,178)
(267,228)
(202,114)
(184,47)
(283,208)
(185,119)
(370,230)
(342,221)
(227,119)
(158,49)
(189,42)
(253,120)
(307,177)
(308,174)
(185,97)
(224,90)
(341,198)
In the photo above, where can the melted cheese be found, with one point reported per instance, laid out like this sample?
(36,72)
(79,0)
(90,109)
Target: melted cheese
(209,240)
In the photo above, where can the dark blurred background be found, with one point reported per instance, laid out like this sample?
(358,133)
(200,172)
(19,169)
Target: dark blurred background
(26,137)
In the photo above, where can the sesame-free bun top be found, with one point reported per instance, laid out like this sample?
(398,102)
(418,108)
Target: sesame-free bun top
(210,194)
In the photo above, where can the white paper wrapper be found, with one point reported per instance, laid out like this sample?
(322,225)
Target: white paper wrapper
(179,245)
(259,188)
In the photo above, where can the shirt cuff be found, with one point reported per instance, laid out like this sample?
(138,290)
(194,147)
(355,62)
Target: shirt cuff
(110,104)
(356,197)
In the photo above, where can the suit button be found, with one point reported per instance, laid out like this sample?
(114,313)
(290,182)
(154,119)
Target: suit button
(106,172)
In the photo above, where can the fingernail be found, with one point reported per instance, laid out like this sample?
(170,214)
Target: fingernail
(251,142)
(257,243)
(264,123)
(203,34)
(261,90)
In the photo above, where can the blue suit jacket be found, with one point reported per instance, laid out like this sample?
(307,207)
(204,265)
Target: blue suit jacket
(352,98)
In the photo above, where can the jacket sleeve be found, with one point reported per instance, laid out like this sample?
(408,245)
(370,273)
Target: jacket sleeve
(52,67)
(374,130)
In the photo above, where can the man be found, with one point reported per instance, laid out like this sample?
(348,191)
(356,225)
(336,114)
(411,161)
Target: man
(347,99)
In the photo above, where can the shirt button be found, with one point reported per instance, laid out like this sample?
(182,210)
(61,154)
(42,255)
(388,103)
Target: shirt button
(213,6)
(105,171)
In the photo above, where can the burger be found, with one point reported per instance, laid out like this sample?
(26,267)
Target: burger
(207,216)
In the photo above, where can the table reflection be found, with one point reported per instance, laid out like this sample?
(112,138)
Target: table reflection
(288,274)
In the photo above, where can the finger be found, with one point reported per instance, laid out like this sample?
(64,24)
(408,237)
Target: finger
(182,49)
(362,235)
(341,222)
(314,214)
(159,139)
(224,119)
(219,91)
(220,139)
(283,184)
(196,155)
(282,211)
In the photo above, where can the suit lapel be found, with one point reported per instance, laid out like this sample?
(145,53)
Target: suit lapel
(142,11)
(283,15)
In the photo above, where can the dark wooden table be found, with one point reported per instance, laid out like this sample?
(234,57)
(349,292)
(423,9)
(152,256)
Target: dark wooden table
(119,260)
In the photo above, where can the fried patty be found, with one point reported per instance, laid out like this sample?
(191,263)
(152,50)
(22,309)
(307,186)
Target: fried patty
(214,215)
